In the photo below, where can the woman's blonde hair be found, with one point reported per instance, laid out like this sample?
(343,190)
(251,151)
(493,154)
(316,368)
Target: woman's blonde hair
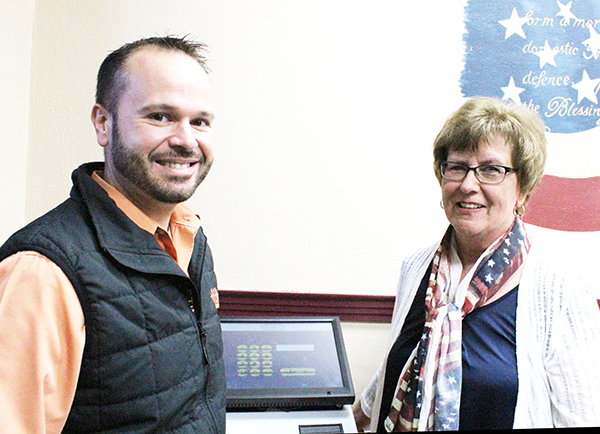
(479,120)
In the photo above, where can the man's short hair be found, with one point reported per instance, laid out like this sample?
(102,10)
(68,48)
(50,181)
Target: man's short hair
(112,80)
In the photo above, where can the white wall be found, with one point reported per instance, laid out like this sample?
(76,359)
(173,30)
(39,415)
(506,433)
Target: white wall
(326,111)
(366,345)
(16,21)
(325,116)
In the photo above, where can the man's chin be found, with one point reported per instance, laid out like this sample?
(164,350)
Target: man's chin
(175,189)
(174,193)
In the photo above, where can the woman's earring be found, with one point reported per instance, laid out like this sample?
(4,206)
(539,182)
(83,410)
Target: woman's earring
(519,210)
(442,203)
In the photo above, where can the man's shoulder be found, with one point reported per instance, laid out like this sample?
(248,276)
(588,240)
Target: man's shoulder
(65,220)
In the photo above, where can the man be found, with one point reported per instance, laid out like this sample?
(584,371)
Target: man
(108,316)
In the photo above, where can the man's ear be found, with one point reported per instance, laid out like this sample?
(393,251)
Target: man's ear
(102,121)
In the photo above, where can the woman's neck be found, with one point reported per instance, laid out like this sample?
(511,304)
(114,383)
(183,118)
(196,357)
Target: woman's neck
(468,259)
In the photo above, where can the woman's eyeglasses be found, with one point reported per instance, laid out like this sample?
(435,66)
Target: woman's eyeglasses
(486,173)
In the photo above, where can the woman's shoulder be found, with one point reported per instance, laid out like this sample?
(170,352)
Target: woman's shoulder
(557,254)
(416,262)
(558,270)
(417,254)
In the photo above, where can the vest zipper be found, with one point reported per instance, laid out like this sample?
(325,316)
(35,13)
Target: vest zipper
(207,381)
(202,332)
(203,339)
(191,302)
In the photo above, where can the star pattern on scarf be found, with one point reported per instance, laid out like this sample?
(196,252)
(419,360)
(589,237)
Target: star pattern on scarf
(441,401)
(451,407)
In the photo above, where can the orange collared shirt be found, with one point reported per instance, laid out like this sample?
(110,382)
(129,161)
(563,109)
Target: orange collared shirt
(177,239)
(42,329)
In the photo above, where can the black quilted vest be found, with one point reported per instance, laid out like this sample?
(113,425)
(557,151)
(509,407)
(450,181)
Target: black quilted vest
(150,364)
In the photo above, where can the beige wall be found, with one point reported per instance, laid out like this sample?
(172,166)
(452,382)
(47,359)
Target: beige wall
(322,179)
(366,345)
(326,111)
(16,22)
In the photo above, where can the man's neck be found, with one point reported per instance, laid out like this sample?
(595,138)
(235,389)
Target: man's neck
(160,212)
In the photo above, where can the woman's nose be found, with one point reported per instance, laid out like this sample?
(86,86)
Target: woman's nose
(470,182)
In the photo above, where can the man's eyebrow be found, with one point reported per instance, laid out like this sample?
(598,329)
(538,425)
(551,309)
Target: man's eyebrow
(156,107)
(207,115)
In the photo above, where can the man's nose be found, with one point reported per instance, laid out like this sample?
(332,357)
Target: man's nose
(183,136)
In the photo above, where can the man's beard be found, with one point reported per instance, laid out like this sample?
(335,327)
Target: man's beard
(135,168)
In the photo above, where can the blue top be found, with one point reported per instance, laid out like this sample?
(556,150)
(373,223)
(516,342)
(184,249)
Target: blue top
(489,361)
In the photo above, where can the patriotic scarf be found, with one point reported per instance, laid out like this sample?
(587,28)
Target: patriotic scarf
(428,393)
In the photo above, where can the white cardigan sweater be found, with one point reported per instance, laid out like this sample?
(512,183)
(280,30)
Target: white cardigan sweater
(557,340)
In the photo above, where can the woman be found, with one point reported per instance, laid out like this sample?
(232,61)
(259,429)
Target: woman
(488,332)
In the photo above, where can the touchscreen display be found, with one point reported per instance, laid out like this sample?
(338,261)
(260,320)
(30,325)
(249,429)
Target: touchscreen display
(281,355)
